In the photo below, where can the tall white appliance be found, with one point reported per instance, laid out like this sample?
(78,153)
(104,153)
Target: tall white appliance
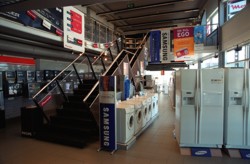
(236,129)
(199,107)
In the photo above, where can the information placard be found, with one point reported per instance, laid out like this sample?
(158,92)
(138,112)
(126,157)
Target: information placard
(73,21)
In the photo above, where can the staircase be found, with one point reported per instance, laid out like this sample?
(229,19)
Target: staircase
(73,124)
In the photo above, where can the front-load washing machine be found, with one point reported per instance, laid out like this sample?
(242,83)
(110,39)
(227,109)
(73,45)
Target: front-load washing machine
(144,110)
(125,123)
(155,104)
(148,100)
(138,114)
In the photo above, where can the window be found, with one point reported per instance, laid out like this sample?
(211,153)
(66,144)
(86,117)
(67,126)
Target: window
(193,66)
(210,63)
(237,58)
(212,22)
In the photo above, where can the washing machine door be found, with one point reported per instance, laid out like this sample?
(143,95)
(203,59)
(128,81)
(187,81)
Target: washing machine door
(145,112)
(131,122)
(150,108)
(139,116)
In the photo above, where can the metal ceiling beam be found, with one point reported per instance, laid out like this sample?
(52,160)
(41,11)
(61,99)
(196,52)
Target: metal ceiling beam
(149,28)
(35,4)
(153,15)
(144,7)
(155,22)
(166,66)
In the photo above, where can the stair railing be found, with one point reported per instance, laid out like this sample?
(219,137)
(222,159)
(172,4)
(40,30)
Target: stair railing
(137,52)
(106,72)
(47,97)
(43,99)
(135,57)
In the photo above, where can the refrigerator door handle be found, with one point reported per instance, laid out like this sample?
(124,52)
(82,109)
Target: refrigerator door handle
(196,99)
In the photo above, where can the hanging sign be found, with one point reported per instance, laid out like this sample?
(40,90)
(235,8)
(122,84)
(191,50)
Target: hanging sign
(155,41)
(107,99)
(184,43)
(165,46)
(73,21)
(199,38)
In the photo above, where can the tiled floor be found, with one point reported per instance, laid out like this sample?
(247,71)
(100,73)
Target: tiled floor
(155,146)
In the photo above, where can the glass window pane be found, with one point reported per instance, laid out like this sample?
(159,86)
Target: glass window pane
(229,58)
(242,53)
(103,32)
(208,27)
(215,21)
(88,29)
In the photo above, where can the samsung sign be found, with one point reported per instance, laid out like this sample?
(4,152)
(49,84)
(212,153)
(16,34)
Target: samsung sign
(201,152)
(165,46)
(107,99)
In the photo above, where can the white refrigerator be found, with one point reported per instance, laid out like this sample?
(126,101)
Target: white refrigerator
(237,126)
(199,107)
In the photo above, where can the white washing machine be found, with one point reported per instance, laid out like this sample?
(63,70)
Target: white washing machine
(155,107)
(138,114)
(125,123)
(149,104)
(144,109)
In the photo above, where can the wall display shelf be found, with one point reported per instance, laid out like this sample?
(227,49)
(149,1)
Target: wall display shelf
(132,43)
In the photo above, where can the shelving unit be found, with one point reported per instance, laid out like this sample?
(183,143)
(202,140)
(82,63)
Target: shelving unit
(132,43)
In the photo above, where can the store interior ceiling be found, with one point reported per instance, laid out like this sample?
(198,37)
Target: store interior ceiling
(129,17)
(132,16)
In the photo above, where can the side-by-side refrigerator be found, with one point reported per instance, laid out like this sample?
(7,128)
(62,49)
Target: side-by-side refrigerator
(237,117)
(199,107)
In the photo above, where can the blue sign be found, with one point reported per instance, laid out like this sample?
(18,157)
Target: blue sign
(245,153)
(107,126)
(107,99)
(199,34)
(155,46)
(201,152)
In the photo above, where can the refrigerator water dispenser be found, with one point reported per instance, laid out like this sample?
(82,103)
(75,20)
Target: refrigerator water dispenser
(235,97)
(188,98)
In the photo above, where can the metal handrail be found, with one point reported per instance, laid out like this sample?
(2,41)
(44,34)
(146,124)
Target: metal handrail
(41,90)
(97,83)
(103,52)
(142,42)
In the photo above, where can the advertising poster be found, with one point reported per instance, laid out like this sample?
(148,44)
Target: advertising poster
(48,19)
(155,45)
(107,99)
(165,46)
(73,21)
(184,43)
(199,38)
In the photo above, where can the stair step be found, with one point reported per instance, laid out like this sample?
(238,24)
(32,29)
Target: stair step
(76,98)
(76,131)
(48,134)
(73,121)
(89,81)
(91,99)
(75,105)
(84,91)
(74,113)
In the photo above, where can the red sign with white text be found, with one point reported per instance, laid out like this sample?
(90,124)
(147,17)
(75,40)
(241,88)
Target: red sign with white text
(76,22)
